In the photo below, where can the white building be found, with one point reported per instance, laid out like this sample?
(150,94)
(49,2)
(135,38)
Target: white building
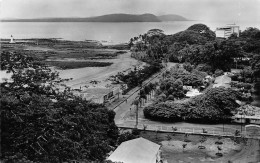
(193,92)
(138,150)
(246,119)
(222,81)
(12,40)
(226,31)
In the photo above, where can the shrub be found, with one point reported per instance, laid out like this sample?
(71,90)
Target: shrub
(219,72)
(188,67)
(204,67)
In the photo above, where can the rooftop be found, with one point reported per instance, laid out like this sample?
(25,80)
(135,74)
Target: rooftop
(138,150)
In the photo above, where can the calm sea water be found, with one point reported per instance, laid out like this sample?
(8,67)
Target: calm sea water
(111,32)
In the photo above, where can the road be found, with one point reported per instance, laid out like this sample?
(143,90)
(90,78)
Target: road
(124,107)
(125,116)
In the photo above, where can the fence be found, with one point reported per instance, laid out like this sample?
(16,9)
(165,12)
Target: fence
(188,130)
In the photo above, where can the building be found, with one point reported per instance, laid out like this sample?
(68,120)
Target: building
(5,76)
(247,114)
(100,95)
(12,40)
(138,150)
(193,92)
(226,31)
(246,119)
(222,81)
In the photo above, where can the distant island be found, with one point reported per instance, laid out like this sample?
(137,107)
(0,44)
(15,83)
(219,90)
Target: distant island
(107,18)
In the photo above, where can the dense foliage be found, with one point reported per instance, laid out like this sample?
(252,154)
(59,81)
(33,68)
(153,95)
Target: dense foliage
(192,78)
(73,65)
(42,124)
(199,46)
(137,76)
(214,106)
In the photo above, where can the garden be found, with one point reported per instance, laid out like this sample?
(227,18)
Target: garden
(177,148)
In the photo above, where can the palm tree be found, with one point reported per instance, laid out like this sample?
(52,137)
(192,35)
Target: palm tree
(142,95)
(136,103)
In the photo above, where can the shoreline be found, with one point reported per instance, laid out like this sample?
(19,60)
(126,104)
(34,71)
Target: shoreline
(34,40)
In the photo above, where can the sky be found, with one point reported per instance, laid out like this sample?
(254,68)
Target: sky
(221,10)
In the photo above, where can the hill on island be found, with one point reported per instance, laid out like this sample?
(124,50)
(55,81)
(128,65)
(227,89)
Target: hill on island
(107,18)
(172,17)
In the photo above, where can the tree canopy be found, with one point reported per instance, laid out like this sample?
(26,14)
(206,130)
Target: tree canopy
(214,106)
(41,123)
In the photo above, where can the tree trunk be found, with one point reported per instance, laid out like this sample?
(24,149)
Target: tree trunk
(136,123)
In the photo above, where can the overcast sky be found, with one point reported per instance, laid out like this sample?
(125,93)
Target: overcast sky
(226,10)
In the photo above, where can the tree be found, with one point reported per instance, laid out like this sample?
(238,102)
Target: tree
(44,124)
(143,95)
(136,103)
(203,30)
(216,105)
(188,67)
(184,146)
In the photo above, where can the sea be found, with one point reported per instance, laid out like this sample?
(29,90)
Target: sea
(105,32)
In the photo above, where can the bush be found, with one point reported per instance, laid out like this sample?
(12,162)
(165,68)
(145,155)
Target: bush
(125,137)
(204,67)
(165,111)
(188,67)
(219,72)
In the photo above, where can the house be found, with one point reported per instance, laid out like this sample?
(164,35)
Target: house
(100,95)
(222,81)
(247,114)
(188,88)
(246,119)
(138,150)
(227,31)
(5,76)
(192,93)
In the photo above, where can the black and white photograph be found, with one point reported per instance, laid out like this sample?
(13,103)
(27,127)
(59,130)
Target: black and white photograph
(130,81)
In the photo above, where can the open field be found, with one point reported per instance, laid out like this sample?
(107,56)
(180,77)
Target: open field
(53,49)
(235,150)
(83,76)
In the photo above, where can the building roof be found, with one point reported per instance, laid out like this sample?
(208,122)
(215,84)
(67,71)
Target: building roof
(193,92)
(5,76)
(222,85)
(222,79)
(246,117)
(138,150)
